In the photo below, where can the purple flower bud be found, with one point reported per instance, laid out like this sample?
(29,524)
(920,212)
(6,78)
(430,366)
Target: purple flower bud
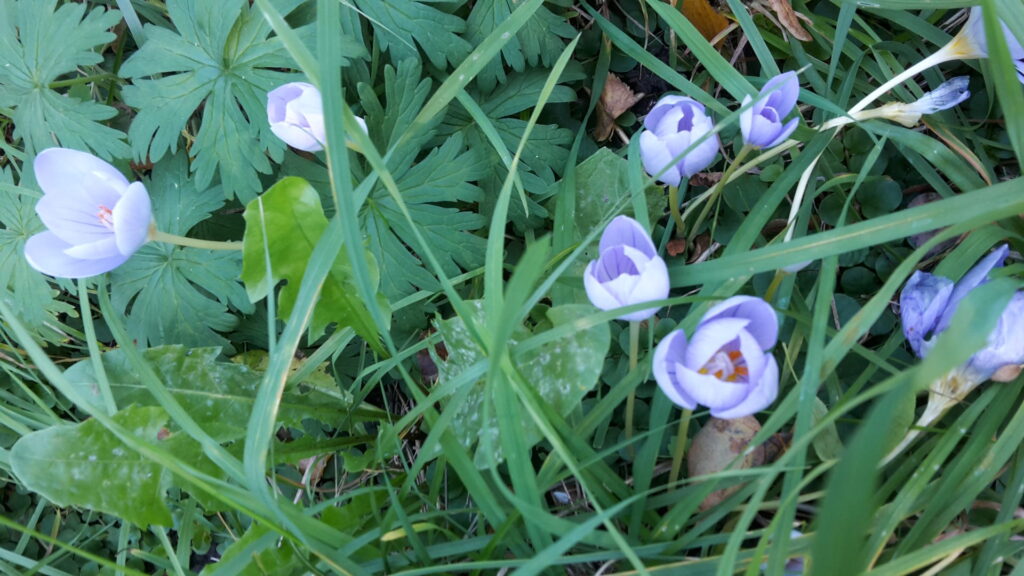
(96,220)
(762,123)
(673,125)
(628,271)
(726,366)
(295,112)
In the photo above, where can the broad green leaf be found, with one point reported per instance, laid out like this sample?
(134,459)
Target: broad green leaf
(257,553)
(218,395)
(538,43)
(602,191)
(175,295)
(284,225)
(38,307)
(86,465)
(562,372)
(404,25)
(221,59)
(38,45)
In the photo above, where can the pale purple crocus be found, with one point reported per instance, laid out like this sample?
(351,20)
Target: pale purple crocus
(971,42)
(762,123)
(95,218)
(628,270)
(928,303)
(727,365)
(295,112)
(674,125)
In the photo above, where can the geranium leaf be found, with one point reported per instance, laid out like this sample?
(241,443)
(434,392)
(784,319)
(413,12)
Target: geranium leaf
(39,44)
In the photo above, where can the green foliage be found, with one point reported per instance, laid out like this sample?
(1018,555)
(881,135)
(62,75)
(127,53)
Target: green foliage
(538,43)
(174,295)
(38,45)
(561,373)
(87,465)
(433,189)
(222,59)
(217,395)
(401,23)
(282,229)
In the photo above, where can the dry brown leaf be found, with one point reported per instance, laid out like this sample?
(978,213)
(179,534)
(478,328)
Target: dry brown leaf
(616,99)
(708,21)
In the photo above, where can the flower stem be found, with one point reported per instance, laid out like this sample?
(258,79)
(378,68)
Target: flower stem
(80,80)
(680,449)
(158,236)
(673,207)
(634,352)
(944,54)
(717,190)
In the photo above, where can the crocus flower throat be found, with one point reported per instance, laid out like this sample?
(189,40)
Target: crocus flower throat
(728,365)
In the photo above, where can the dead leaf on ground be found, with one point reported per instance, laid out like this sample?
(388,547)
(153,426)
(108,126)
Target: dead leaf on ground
(616,99)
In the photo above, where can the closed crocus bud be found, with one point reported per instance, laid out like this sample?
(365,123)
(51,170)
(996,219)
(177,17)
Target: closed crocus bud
(948,94)
(296,115)
(726,366)
(672,126)
(628,271)
(762,123)
(96,220)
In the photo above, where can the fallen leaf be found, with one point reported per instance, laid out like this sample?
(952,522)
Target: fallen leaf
(616,99)
(708,21)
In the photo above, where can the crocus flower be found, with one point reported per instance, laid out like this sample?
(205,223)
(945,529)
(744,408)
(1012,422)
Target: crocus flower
(96,220)
(672,126)
(628,271)
(762,123)
(295,112)
(928,302)
(971,42)
(948,94)
(726,366)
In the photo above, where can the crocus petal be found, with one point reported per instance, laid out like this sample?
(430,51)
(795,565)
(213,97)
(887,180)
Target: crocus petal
(786,90)
(922,302)
(131,218)
(623,230)
(708,390)
(79,177)
(46,253)
(975,277)
(945,96)
(758,397)
(74,222)
(764,324)
(785,132)
(599,296)
(655,156)
(1005,344)
(700,157)
(295,114)
(711,337)
(667,355)
(98,250)
(746,117)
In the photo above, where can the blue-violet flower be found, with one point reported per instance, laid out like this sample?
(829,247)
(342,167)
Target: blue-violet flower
(295,112)
(96,220)
(628,270)
(726,366)
(672,127)
(762,123)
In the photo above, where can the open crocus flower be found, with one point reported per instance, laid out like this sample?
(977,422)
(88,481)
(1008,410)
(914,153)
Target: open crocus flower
(295,112)
(96,220)
(762,123)
(672,126)
(628,271)
(726,366)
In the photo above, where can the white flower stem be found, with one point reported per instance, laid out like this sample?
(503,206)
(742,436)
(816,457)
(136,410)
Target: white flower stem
(944,54)
(673,207)
(158,236)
